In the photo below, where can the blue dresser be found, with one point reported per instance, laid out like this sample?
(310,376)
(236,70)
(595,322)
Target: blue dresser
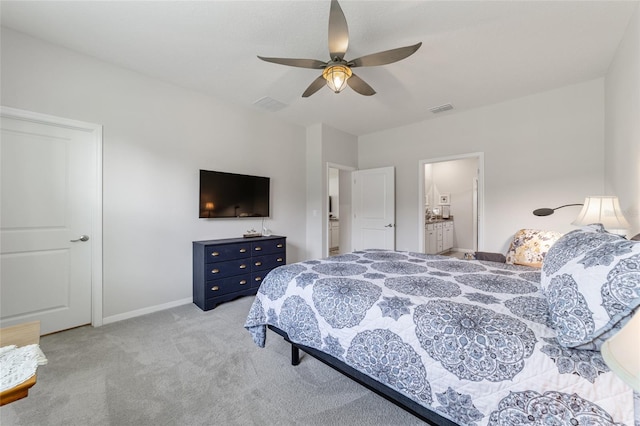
(233,267)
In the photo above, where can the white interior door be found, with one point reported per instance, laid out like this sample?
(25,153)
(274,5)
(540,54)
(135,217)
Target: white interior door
(374,208)
(48,200)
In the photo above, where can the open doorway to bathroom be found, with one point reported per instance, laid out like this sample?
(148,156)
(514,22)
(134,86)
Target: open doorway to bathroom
(451,204)
(339,209)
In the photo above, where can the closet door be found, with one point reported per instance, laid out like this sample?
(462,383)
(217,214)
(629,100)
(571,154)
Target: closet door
(373,203)
(48,201)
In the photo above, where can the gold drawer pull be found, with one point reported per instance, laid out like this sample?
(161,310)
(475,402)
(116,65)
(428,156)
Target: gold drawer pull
(243,282)
(215,288)
(215,271)
(279,259)
(215,253)
(243,250)
(258,248)
(258,263)
(279,246)
(258,278)
(243,266)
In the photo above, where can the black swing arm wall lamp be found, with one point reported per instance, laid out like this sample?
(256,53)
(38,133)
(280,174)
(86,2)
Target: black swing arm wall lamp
(545,211)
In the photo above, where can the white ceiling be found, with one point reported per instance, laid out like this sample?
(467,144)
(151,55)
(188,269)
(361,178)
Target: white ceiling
(474,52)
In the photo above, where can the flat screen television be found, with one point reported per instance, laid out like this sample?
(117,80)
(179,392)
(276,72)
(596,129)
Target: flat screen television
(233,195)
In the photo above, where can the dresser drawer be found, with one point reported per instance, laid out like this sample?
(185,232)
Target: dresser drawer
(270,261)
(268,246)
(226,269)
(257,277)
(221,253)
(222,286)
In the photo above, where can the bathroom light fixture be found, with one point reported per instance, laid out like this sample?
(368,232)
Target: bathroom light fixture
(545,211)
(605,210)
(337,76)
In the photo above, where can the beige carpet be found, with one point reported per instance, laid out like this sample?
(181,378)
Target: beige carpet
(184,366)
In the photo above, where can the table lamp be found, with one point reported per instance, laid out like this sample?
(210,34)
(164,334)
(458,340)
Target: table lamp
(605,210)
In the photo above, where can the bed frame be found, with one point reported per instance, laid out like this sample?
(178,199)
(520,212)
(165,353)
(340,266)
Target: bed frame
(386,392)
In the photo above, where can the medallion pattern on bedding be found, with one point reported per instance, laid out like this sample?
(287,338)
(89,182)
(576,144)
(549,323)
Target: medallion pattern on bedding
(586,364)
(423,286)
(343,302)
(383,355)
(530,308)
(394,307)
(550,408)
(458,407)
(470,340)
(592,282)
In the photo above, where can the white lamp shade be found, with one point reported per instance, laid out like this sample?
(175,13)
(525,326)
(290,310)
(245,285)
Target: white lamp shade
(605,210)
(621,352)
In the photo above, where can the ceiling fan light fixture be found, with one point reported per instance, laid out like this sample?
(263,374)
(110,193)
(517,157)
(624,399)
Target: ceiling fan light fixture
(337,76)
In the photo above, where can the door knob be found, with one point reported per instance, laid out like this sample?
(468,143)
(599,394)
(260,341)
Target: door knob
(82,238)
(389,225)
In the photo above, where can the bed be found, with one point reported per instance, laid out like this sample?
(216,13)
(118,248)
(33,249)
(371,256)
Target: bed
(467,342)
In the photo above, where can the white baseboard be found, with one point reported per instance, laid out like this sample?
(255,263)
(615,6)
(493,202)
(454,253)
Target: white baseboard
(145,311)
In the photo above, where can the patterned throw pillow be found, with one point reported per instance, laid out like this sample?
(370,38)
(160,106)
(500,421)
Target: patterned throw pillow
(591,280)
(529,246)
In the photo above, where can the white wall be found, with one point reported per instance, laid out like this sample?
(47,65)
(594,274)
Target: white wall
(325,145)
(622,157)
(456,179)
(156,138)
(543,150)
(316,206)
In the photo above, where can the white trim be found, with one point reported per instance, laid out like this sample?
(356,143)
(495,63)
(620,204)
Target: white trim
(145,311)
(96,231)
(421,199)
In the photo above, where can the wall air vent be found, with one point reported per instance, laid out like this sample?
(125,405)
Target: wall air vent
(441,108)
(269,104)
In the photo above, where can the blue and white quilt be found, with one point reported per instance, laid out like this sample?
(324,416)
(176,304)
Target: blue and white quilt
(470,340)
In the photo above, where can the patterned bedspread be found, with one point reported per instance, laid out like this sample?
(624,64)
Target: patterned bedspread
(469,340)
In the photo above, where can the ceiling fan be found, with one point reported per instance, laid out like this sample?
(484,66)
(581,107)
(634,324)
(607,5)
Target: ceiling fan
(337,72)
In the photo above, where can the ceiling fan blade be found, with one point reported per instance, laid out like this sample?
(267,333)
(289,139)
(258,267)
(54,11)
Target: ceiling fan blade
(360,86)
(301,63)
(314,87)
(386,57)
(338,32)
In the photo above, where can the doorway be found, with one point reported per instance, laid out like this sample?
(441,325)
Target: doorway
(51,238)
(451,197)
(339,212)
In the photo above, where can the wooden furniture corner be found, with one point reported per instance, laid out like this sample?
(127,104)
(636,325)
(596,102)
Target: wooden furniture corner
(19,335)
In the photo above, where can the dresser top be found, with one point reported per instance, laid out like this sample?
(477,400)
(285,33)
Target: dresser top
(238,240)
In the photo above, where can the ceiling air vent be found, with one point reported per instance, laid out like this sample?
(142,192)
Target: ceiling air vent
(441,108)
(269,104)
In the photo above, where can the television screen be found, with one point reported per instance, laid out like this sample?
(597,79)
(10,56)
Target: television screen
(233,195)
